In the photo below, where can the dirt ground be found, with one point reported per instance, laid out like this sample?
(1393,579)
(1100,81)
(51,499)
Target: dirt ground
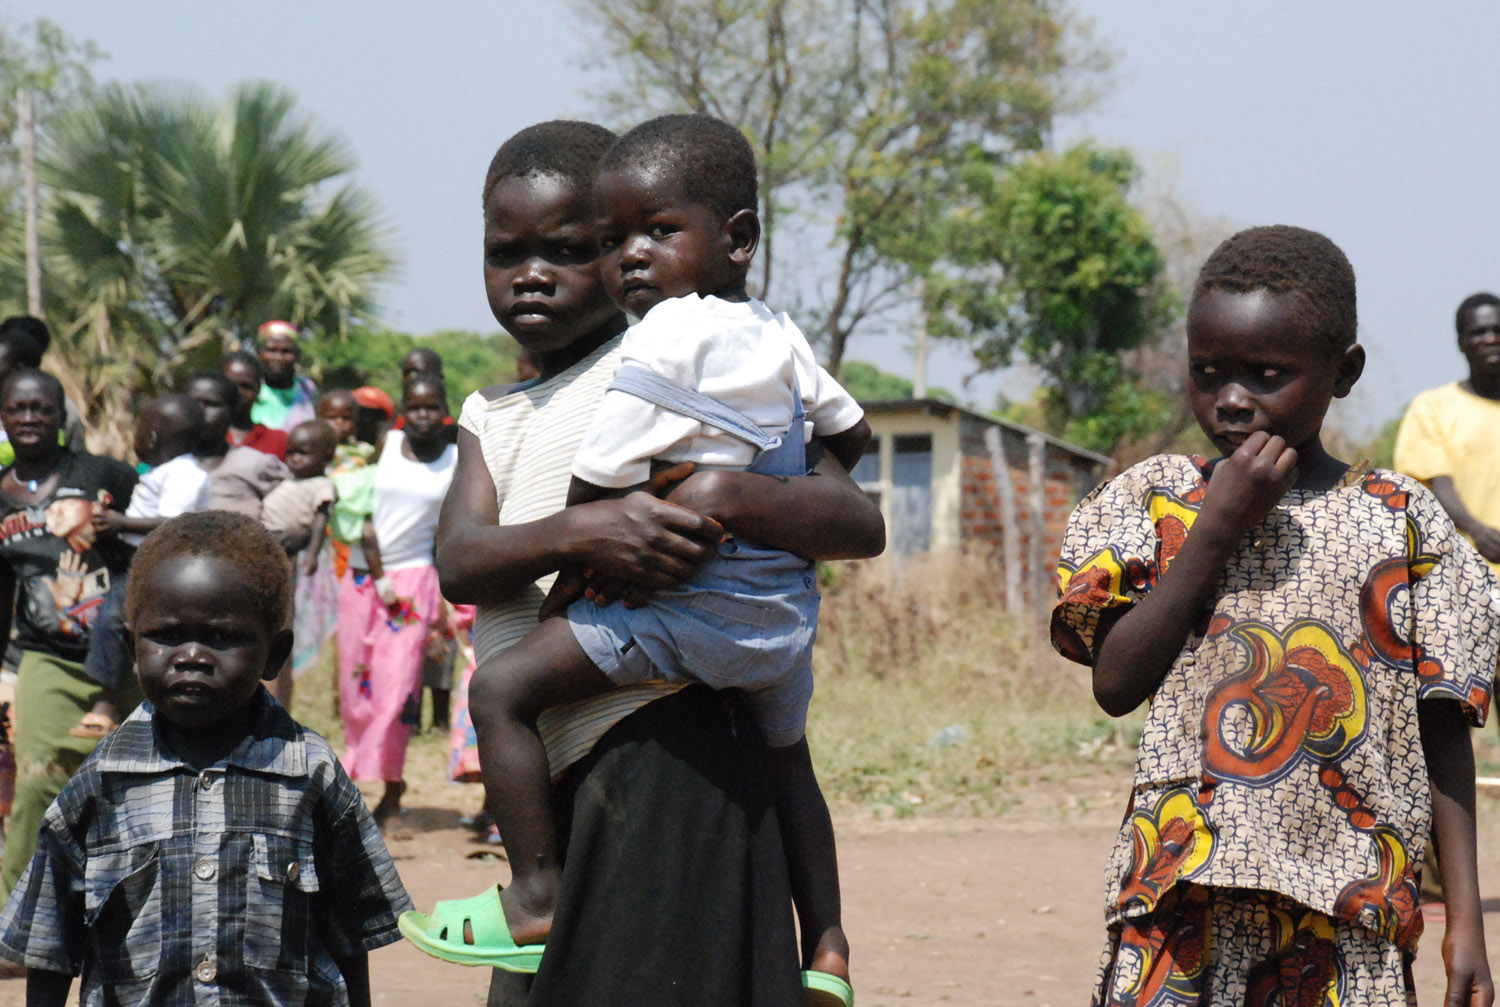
(966,913)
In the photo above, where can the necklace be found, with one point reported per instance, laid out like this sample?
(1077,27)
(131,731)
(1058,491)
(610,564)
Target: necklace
(32,484)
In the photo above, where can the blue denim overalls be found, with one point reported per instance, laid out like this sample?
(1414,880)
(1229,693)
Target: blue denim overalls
(747,618)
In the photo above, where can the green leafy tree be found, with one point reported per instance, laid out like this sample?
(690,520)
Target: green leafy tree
(175,225)
(861,113)
(1047,261)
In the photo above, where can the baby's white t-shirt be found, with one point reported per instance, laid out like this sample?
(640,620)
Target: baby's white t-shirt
(738,352)
(175,487)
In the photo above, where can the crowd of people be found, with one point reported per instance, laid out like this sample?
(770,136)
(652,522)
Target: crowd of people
(1313,638)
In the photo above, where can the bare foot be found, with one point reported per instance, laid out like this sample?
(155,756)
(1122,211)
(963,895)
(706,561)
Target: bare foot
(393,826)
(529,906)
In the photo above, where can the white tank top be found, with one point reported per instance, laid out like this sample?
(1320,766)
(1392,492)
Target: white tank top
(408,497)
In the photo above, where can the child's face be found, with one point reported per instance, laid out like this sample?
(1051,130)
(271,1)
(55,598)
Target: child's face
(200,650)
(654,243)
(210,395)
(246,379)
(1253,366)
(306,454)
(1480,340)
(338,412)
(541,268)
(424,409)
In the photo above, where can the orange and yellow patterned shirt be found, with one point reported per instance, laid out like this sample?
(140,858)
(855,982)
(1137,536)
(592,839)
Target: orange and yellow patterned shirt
(1281,751)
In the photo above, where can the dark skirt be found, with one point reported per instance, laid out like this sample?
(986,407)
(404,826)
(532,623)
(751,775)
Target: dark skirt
(675,887)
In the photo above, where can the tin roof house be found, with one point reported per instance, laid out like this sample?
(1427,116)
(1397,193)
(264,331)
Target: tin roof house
(948,478)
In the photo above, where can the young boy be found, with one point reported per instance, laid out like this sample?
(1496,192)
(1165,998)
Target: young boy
(169,430)
(1314,640)
(677,227)
(211,843)
(304,503)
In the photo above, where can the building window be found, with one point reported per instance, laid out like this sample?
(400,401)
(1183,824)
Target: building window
(867,470)
(911,493)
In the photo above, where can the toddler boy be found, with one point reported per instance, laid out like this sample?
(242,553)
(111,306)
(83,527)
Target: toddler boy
(211,843)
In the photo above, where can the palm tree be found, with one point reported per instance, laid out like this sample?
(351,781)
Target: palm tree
(176,225)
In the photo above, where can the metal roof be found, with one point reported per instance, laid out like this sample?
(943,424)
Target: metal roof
(944,408)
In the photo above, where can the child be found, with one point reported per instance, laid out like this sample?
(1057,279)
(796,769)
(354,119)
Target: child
(239,477)
(1314,640)
(678,229)
(302,504)
(170,428)
(210,842)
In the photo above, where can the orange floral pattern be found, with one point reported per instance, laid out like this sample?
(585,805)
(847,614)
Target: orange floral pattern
(1281,751)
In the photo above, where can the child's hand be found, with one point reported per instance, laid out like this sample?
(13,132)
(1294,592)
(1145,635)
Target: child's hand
(107,520)
(294,540)
(1249,483)
(312,561)
(1468,969)
(566,589)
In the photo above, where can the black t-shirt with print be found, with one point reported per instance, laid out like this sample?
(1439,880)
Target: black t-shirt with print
(63,568)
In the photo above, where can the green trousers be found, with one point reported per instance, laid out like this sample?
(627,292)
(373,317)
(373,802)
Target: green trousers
(51,695)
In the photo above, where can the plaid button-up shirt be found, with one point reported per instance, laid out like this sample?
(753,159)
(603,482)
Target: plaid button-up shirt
(239,884)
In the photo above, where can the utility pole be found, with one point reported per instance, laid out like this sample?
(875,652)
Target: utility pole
(26,113)
(919,361)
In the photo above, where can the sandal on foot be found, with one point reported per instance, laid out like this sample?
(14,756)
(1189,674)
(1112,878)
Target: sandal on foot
(823,989)
(442,934)
(95,726)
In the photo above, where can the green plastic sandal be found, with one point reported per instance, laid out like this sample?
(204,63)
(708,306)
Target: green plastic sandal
(823,989)
(442,934)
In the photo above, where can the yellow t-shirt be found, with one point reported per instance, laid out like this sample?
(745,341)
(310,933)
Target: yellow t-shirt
(1451,432)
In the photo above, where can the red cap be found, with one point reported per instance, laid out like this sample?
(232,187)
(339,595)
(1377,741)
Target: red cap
(373,398)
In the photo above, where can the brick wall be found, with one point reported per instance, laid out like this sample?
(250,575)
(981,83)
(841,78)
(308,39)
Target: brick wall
(1068,476)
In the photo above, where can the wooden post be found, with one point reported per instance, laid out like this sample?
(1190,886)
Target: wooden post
(1010,528)
(1036,551)
(26,113)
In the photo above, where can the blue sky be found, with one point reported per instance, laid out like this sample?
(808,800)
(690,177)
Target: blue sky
(1367,121)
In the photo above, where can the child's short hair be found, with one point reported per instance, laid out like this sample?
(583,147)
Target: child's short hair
(320,435)
(565,148)
(1302,264)
(29,325)
(54,387)
(24,350)
(710,158)
(436,381)
(235,538)
(1468,304)
(244,357)
(227,389)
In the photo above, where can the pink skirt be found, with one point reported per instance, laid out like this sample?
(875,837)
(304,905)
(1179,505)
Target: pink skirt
(380,667)
(463,744)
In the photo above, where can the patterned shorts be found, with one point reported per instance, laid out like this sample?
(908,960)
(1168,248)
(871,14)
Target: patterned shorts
(1225,946)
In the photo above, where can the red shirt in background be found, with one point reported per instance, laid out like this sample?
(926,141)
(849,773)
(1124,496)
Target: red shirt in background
(262,438)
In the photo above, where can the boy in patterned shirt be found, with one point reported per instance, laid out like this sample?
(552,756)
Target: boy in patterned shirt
(1314,640)
(211,849)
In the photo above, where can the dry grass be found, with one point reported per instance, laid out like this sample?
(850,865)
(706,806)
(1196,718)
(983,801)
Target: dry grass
(932,699)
